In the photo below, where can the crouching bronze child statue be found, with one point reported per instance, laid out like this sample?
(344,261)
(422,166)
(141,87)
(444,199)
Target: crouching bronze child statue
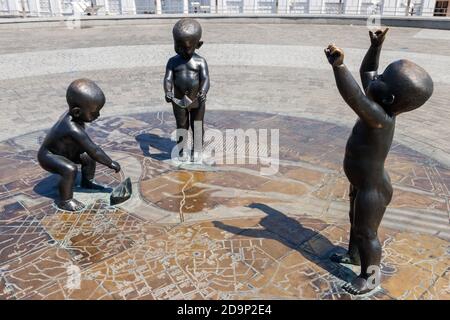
(67,144)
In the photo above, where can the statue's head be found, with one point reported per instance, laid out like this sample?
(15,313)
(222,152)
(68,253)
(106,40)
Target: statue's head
(403,86)
(85,99)
(187,33)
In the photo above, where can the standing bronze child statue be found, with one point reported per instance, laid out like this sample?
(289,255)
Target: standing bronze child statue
(403,86)
(67,144)
(186,84)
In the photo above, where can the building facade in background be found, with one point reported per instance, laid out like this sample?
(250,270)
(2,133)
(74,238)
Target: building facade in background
(36,8)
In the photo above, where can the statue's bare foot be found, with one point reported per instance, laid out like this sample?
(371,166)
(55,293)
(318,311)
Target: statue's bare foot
(88,184)
(358,286)
(345,258)
(71,205)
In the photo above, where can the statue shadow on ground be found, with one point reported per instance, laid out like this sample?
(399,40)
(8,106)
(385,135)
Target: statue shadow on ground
(291,233)
(165,145)
(48,187)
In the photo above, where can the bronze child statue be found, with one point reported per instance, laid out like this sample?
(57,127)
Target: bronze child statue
(67,144)
(403,86)
(186,84)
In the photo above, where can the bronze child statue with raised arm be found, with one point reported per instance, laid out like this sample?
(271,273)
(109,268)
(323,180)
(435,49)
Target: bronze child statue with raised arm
(186,84)
(67,144)
(403,86)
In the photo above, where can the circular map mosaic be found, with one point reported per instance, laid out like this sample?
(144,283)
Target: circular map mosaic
(225,232)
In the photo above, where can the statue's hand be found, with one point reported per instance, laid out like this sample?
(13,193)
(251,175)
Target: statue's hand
(169,96)
(115,166)
(377,37)
(201,96)
(334,55)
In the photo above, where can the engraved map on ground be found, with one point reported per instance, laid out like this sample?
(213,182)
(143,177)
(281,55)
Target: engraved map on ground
(224,233)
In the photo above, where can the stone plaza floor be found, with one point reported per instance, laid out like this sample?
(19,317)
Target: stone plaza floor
(228,232)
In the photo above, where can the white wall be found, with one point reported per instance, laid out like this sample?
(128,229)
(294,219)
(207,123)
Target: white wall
(428,8)
(14,7)
(172,6)
(130,7)
(145,6)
